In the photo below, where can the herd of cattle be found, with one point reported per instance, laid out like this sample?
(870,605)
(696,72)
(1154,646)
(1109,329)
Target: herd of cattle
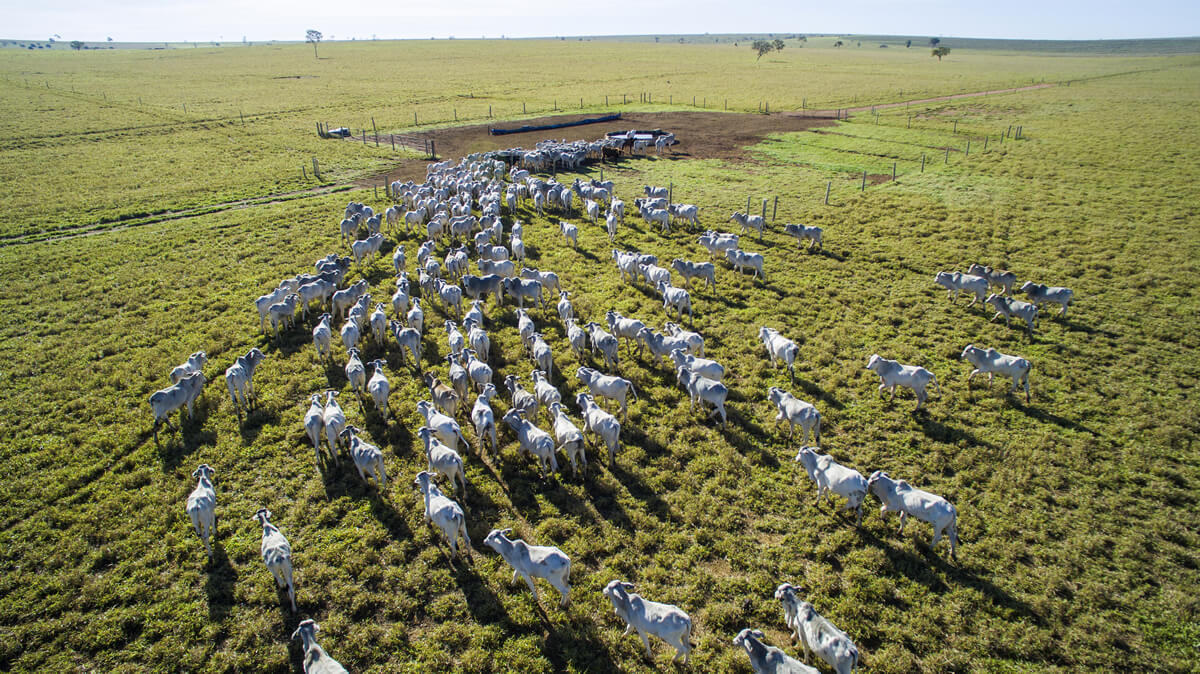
(444,210)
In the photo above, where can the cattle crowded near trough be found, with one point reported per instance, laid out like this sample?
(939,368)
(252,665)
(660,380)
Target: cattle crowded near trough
(466,206)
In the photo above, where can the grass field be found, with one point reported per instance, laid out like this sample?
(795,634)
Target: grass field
(1078,512)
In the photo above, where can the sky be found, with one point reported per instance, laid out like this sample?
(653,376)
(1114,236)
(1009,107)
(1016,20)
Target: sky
(261,20)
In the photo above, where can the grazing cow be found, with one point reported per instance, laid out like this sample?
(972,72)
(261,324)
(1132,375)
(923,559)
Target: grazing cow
(202,505)
(831,476)
(892,374)
(664,621)
(704,271)
(533,561)
(997,277)
(740,259)
(195,363)
(442,460)
(991,361)
(485,419)
(899,496)
(600,423)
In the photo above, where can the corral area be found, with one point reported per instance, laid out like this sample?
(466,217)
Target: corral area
(1077,510)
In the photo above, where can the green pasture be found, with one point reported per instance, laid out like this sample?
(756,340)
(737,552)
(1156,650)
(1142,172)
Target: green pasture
(1077,511)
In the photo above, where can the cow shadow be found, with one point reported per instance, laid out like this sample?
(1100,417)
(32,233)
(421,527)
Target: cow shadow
(928,567)
(741,442)
(1044,416)
(813,389)
(218,586)
(649,497)
(252,422)
(936,430)
(387,514)
(577,646)
(604,499)
(192,436)
(484,605)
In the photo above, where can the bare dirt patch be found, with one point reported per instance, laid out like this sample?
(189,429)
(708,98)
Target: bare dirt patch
(701,135)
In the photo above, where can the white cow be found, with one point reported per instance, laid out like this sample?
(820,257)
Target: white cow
(202,505)
(991,361)
(956,282)
(533,561)
(766,659)
(892,374)
(316,660)
(444,512)
(276,553)
(831,476)
(797,413)
(368,459)
(1040,293)
(899,496)
(664,621)
(779,348)
(816,633)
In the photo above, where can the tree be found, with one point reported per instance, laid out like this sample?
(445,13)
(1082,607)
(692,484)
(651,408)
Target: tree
(313,36)
(933,41)
(940,52)
(762,47)
(907,44)
(778,45)
(838,43)
(76,45)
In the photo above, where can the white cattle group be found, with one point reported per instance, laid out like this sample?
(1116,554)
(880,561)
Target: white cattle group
(467,206)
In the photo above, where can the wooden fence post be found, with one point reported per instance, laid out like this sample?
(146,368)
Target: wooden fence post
(393,137)
(456,114)
(922,162)
(947,161)
(893,171)
(956,126)
(828,186)
(522,107)
(432,149)
(414,117)
(968,148)
(775,208)
(764,210)
(985,142)
(316,168)
(864,182)
(670,193)
(304,172)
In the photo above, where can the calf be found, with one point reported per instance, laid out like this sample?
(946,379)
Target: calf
(991,361)
(533,561)
(892,374)
(997,277)
(664,621)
